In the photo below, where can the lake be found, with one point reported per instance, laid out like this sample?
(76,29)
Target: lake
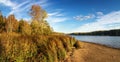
(112,41)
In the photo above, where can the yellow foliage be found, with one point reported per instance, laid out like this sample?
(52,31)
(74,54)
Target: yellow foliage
(46,48)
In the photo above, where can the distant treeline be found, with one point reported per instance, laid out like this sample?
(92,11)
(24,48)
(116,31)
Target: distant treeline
(115,32)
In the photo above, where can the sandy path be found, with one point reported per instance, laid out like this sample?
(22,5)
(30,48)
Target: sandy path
(95,53)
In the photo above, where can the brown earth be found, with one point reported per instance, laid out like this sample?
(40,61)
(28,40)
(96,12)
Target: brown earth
(90,52)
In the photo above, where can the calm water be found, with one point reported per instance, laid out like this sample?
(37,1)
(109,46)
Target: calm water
(112,41)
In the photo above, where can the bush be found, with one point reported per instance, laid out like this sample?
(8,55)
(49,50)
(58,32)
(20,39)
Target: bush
(77,45)
(36,48)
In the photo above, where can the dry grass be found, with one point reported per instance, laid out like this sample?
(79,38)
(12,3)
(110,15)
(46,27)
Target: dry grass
(34,48)
(52,48)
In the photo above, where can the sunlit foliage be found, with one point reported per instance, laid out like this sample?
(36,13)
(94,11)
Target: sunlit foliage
(37,48)
(38,13)
(39,24)
(21,41)
(24,28)
(11,24)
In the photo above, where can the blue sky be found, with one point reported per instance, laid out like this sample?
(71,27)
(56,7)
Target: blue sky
(70,15)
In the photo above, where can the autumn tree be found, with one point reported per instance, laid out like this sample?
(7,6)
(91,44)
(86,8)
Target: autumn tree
(24,28)
(38,13)
(2,23)
(46,28)
(35,27)
(39,25)
(11,24)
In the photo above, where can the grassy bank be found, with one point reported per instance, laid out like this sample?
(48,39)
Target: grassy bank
(35,48)
(52,48)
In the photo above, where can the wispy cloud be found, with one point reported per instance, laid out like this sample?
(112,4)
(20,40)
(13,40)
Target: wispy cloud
(99,14)
(56,19)
(56,16)
(20,5)
(21,9)
(8,3)
(89,16)
(81,17)
(106,22)
(18,8)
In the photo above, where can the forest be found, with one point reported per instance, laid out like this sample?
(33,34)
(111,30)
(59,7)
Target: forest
(114,32)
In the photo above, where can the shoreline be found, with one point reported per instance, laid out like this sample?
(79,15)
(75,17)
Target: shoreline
(93,52)
(94,35)
(108,41)
(101,45)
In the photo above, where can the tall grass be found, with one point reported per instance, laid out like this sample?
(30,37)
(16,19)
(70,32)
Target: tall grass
(34,48)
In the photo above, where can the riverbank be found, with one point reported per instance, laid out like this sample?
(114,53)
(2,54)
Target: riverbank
(90,52)
(16,47)
(52,48)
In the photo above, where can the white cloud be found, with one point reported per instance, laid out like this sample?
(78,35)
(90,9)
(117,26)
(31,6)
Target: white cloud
(81,17)
(106,22)
(56,19)
(22,9)
(113,17)
(8,3)
(89,16)
(18,6)
(99,14)
(56,16)
(17,9)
